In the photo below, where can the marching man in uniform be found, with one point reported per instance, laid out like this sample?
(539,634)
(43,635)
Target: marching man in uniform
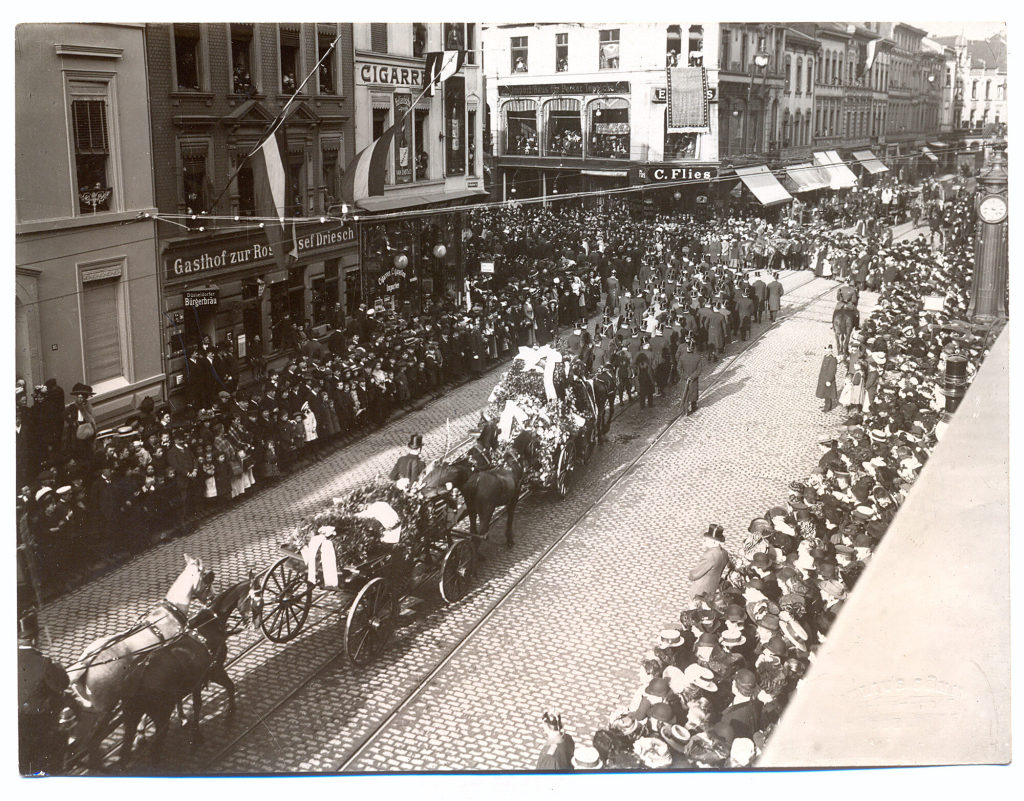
(690,364)
(409,466)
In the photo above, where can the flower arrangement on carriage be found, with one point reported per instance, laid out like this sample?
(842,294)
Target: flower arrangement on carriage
(538,392)
(380,550)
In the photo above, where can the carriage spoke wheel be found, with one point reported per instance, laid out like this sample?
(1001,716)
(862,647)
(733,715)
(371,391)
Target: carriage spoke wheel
(371,618)
(457,569)
(565,459)
(285,598)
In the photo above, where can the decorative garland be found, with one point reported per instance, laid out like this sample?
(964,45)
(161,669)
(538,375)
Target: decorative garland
(357,539)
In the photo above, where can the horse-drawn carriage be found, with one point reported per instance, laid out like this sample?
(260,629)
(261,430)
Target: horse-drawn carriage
(379,551)
(542,393)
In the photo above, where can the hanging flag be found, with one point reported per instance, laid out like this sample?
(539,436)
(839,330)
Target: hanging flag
(270,186)
(364,175)
(869,58)
(441,66)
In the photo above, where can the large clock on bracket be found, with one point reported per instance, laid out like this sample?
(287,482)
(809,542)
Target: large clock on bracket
(992,209)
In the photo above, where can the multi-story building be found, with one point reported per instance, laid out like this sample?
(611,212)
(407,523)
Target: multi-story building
(215,88)
(751,88)
(435,158)
(584,106)
(979,82)
(85,253)
(800,65)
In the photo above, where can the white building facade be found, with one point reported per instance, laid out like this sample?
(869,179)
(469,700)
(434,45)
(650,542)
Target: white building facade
(583,106)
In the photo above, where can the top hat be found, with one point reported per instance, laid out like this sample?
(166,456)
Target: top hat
(415,442)
(716,532)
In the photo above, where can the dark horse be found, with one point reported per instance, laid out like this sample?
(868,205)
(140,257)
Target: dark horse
(183,667)
(603,383)
(844,320)
(500,486)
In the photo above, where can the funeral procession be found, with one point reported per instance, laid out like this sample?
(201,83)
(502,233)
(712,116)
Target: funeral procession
(510,398)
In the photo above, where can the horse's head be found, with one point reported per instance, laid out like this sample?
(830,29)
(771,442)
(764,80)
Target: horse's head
(194,581)
(525,446)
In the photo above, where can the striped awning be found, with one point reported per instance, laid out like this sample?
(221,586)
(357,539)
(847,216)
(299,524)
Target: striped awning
(840,176)
(870,162)
(929,154)
(764,186)
(563,104)
(520,104)
(806,177)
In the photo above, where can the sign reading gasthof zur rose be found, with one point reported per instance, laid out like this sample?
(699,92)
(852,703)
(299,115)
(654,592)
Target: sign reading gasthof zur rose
(250,253)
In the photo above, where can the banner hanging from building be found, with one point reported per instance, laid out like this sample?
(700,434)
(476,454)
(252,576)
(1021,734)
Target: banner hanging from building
(687,100)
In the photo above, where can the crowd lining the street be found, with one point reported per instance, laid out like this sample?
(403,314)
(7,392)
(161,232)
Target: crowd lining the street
(713,686)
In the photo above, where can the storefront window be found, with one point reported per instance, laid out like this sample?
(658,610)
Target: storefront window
(609,130)
(252,317)
(455,125)
(520,128)
(403,139)
(318,301)
(564,129)
(280,320)
(421,132)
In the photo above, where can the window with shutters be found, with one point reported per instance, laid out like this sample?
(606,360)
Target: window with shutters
(92,154)
(187,57)
(104,330)
(379,37)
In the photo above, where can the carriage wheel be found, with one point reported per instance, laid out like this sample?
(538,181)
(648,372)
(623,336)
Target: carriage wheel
(457,569)
(371,617)
(285,598)
(565,460)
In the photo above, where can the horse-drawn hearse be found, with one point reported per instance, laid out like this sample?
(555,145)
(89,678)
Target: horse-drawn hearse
(378,553)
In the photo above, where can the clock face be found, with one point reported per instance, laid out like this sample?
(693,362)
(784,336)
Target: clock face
(992,209)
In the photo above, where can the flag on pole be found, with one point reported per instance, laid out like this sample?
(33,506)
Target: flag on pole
(441,66)
(270,186)
(869,58)
(364,175)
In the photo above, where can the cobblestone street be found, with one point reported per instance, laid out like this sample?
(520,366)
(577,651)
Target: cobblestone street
(560,621)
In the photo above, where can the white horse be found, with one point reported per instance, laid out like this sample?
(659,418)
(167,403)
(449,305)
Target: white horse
(98,677)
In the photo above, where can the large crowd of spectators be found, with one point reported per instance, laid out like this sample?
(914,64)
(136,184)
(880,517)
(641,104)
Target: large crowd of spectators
(88,497)
(715,683)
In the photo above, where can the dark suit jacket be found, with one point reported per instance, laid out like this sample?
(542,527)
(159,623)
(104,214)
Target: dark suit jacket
(775,293)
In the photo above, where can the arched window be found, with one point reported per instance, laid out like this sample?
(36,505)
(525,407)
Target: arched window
(797,129)
(520,122)
(788,67)
(608,126)
(673,46)
(563,130)
(840,74)
(810,76)
(799,74)
(786,132)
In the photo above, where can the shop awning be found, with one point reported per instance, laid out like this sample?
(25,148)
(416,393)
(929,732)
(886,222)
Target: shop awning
(869,161)
(390,202)
(938,144)
(840,176)
(806,177)
(606,173)
(929,154)
(764,185)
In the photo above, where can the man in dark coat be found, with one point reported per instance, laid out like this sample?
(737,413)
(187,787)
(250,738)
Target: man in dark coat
(690,364)
(760,295)
(409,466)
(745,311)
(775,292)
(41,685)
(717,326)
(644,377)
(827,380)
